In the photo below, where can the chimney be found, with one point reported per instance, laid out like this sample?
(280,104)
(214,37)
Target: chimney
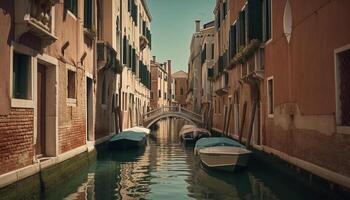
(169,67)
(154,58)
(198,25)
(169,82)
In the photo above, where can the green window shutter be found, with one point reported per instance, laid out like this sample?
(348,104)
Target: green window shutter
(242,28)
(254,20)
(129,56)
(125,50)
(88,14)
(74,7)
(266,16)
(134,60)
(71,5)
(233,40)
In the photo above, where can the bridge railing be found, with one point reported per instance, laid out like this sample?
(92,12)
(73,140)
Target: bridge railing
(166,109)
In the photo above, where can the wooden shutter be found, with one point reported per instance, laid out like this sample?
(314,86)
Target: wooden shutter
(233,40)
(88,14)
(254,20)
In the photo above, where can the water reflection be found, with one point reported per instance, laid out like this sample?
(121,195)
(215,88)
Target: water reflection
(165,169)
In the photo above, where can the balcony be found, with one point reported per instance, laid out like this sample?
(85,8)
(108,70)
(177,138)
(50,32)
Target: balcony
(35,17)
(254,67)
(221,85)
(143,42)
(107,58)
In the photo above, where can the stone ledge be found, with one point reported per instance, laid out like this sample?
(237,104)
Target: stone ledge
(19,174)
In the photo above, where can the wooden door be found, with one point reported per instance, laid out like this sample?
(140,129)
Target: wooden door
(41,109)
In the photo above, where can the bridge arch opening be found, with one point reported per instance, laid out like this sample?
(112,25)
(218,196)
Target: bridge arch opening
(149,124)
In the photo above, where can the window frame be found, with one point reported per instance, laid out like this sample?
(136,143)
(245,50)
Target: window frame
(22,103)
(339,128)
(71,101)
(269,106)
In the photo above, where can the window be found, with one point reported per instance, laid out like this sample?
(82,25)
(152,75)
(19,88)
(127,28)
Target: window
(212,51)
(22,77)
(159,93)
(151,95)
(233,49)
(241,30)
(164,95)
(224,9)
(125,49)
(88,14)
(181,91)
(343,88)
(270,99)
(71,84)
(104,92)
(267,20)
(72,6)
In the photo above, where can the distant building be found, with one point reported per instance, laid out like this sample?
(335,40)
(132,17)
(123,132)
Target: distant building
(160,83)
(180,87)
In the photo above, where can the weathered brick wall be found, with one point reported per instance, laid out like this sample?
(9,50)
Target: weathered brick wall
(154,86)
(16,139)
(71,119)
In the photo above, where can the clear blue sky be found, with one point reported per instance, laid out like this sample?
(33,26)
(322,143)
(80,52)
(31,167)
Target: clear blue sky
(173,25)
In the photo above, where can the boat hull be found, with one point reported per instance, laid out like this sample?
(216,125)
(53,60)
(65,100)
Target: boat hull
(224,161)
(125,144)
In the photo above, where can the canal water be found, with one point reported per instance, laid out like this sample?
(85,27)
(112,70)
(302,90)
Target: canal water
(166,169)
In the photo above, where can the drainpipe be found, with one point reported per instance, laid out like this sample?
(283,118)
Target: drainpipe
(121,61)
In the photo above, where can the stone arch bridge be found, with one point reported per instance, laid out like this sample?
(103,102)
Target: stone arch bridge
(171,111)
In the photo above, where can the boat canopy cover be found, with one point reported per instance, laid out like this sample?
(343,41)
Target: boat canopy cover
(129,135)
(139,129)
(216,141)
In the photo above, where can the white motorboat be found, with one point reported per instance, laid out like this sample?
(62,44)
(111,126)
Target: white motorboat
(227,158)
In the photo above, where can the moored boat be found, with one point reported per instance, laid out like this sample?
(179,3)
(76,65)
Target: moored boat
(139,129)
(201,133)
(128,140)
(187,133)
(227,158)
(215,141)
(190,133)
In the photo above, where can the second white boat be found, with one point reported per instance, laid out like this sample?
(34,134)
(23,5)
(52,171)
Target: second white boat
(227,158)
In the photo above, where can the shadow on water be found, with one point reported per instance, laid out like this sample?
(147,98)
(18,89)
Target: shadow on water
(165,169)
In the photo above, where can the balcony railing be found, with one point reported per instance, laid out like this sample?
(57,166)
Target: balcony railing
(36,17)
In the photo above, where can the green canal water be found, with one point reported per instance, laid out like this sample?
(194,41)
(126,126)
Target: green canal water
(166,169)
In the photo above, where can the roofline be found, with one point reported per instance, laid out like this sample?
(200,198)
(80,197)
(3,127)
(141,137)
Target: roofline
(145,6)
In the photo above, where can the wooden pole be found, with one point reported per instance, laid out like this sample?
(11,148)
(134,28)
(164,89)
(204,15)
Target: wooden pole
(251,124)
(243,120)
(225,115)
(228,119)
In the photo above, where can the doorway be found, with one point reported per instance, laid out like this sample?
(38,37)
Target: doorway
(41,111)
(89,109)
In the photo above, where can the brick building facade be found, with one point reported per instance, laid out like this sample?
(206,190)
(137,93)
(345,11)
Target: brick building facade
(279,81)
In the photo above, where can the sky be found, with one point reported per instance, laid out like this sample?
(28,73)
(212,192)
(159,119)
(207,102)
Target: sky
(173,23)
